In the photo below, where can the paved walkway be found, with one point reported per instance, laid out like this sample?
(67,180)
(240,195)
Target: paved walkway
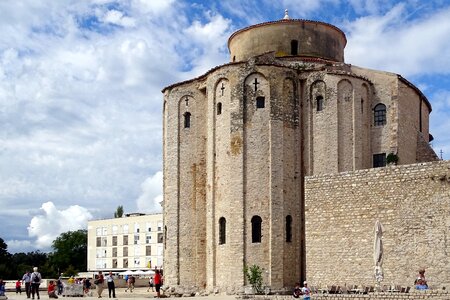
(138,293)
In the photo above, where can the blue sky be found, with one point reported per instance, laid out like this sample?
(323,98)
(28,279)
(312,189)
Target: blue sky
(81,102)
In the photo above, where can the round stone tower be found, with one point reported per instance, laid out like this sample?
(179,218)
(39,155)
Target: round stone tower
(288,38)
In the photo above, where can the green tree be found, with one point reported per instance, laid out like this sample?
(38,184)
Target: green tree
(119,212)
(5,261)
(70,251)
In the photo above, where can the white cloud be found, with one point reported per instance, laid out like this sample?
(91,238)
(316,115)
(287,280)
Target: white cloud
(15,246)
(151,196)
(393,42)
(117,17)
(48,225)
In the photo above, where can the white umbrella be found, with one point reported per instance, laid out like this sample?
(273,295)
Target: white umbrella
(149,272)
(127,272)
(378,252)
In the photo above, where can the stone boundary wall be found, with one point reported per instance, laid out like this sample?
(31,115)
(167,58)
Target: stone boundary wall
(416,295)
(412,202)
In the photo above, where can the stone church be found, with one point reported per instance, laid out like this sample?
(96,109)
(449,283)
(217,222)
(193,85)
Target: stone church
(262,153)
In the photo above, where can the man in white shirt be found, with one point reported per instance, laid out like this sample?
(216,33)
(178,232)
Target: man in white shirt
(111,287)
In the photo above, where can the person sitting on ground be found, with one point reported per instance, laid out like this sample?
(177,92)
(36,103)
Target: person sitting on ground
(51,290)
(18,287)
(306,291)
(420,285)
(297,290)
(421,276)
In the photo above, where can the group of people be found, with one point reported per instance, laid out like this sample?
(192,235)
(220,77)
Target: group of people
(99,281)
(32,282)
(299,291)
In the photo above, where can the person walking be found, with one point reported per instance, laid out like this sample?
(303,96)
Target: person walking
(26,278)
(111,286)
(150,284)
(99,282)
(36,279)
(59,285)
(306,291)
(157,281)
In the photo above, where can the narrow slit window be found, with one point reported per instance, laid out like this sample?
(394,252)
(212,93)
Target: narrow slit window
(222,230)
(219,108)
(294,47)
(260,102)
(319,103)
(187,120)
(288,229)
(256,229)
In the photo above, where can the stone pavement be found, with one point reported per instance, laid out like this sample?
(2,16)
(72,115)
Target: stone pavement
(138,293)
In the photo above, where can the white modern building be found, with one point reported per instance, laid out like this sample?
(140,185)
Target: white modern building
(133,242)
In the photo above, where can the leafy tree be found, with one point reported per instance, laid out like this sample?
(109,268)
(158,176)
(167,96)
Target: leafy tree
(70,251)
(119,212)
(5,261)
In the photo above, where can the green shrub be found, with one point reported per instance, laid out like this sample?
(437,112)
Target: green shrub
(254,277)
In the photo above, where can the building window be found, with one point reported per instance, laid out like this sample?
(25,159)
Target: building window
(219,108)
(125,262)
(137,261)
(114,229)
(319,103)
(379,160)
(136,239)
(99,242)
(222,230)
(125,240)
(160,237)
(125,251)
(294,47)
(256,229)
(148,238)
(160,226)
(379,114)
(148,250)
(114,241)
(288,229)
(114,263)
(98,231)
(104,242)
(114,252)
(125,228)
(187,120)
(260,102)
(149,227)
(104,231)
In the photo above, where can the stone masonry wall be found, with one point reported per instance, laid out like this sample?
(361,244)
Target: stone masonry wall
(412,203)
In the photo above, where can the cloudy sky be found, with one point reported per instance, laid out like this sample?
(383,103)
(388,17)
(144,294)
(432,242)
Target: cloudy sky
(81,102)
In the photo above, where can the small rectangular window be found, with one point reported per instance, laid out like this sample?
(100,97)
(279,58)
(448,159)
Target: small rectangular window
(260,102)
(114,241)
(379,160)
(114,252)
(125,240)
(160,237)
(148,250)
(125,251)
(125,262)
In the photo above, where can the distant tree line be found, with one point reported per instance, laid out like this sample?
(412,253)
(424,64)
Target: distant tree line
(69,256)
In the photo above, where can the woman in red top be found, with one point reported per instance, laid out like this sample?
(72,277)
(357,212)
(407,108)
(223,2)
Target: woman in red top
(18,287)
(51,290)
(157,282)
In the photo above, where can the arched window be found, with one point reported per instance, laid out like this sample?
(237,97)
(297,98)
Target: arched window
(288,228)
(219,108)
(319,103)
(379,114)
(222,231)
(294,47)
(187,120)
(256,229)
